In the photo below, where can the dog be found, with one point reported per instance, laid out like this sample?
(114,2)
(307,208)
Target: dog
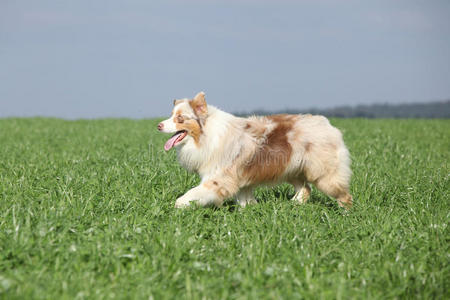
(234,155)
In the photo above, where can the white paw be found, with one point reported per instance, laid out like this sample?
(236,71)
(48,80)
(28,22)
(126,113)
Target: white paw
(181,203)
(244,203)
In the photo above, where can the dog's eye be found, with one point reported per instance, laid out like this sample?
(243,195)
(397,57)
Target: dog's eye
(180,119)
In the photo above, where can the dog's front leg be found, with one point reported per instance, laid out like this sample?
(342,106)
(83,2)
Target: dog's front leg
(200,194)
(210,192)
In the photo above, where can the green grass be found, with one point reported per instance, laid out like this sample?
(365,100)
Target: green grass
(86,211)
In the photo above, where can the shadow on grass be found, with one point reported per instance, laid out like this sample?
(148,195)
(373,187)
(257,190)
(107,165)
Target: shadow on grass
(274,194)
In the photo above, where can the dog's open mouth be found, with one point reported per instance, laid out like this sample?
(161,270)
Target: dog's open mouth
(175,139)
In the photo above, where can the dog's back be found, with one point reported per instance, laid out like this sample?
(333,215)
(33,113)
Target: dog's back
(300,149)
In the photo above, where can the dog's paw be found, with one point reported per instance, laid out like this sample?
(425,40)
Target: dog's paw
(244,203)
(181,203)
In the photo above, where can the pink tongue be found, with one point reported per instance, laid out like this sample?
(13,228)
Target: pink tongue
(171,142)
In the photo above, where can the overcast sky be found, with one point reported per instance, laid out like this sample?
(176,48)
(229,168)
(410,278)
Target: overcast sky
(104,58)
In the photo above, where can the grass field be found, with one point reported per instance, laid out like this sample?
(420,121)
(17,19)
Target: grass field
(86,211)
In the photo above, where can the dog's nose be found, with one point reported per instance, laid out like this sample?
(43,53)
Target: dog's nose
(160,126)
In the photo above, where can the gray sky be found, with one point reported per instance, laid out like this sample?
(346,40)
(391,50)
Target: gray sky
(104,58)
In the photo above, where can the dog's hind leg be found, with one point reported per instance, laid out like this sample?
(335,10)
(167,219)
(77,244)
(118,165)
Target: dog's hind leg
(336,189)
(302,191)
(245,197)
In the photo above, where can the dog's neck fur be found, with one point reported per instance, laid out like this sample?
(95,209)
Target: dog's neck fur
(220,144)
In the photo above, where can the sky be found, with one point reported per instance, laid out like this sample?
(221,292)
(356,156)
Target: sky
(107,58)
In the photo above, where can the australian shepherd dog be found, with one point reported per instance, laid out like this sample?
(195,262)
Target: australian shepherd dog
(234,155)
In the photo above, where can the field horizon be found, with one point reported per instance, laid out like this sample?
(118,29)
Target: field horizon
(406,110)
(87,212)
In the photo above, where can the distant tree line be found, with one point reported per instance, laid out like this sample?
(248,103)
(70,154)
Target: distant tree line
(432,110)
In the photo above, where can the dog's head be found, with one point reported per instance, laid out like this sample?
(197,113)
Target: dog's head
(188,117)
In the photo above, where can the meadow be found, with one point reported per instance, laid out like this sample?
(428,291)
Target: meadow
(87,212)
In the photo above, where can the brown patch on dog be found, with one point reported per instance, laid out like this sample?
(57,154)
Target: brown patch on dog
(177,117)
(248,126)
(180,119)
(223,193)
(199,106)
(223,189)
(271,159)
(192,127)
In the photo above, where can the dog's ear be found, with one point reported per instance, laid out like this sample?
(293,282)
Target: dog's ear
(199,105)
(175,101)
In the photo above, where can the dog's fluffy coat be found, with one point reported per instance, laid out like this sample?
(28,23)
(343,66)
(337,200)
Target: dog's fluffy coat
(233,155)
